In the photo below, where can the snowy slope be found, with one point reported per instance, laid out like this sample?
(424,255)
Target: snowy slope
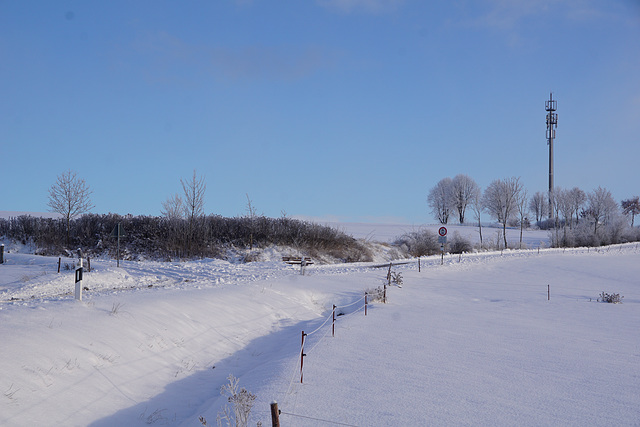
(472,342)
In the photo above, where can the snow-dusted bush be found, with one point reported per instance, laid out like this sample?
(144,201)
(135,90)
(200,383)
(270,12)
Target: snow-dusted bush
(418,243)
(241,402)
(586,234)
(375,294)
(396,278)
(459,244)
(611,298)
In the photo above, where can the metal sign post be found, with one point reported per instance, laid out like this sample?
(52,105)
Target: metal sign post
(442,239)
(79,271)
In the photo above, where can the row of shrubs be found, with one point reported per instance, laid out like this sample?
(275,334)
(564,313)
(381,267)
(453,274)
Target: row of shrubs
(162,238)
(425,243)
(586,234)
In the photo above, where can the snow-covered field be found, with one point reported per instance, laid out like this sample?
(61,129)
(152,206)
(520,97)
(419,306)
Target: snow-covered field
(387,233)
(471,342)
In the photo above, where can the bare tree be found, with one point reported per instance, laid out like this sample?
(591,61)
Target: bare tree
(476,205)
(464,189)
(173,208)
(577,199)
(500,199)
(194,190)
(522,211)
(69,197)
(565,206)
(251,214)
(555,202)
(440,200)
(538,205)
(631,207)
(600,207)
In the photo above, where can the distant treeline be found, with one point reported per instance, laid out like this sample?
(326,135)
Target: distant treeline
(166,239)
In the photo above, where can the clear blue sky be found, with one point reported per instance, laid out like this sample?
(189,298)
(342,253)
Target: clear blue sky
(351,109)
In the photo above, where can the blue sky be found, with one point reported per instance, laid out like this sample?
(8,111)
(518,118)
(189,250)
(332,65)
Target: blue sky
(343,109)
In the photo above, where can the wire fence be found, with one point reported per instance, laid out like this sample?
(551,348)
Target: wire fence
(326,328)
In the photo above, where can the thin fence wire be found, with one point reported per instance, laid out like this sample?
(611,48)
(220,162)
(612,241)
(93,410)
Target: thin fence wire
(330,316)
(319,340)
(318,419)
(357,310)
(353,303)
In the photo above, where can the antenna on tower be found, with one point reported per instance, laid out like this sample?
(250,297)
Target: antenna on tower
(552,123)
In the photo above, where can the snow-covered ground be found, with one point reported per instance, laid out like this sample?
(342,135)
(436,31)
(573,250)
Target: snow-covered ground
(471,342)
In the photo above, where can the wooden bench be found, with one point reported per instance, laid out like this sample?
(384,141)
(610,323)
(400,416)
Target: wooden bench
(296,260)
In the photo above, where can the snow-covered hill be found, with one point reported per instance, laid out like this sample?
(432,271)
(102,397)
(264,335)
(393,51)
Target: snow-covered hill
(474,341)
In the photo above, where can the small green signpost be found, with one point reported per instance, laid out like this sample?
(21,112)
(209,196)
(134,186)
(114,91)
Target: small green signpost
(118,231)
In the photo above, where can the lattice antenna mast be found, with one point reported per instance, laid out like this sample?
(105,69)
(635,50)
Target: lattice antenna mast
(552,124)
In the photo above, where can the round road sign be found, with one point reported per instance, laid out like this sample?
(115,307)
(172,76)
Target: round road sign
(442,231)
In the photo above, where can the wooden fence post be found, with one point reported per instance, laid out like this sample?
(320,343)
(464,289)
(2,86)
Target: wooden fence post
(88,264)
(302,355)
(548,293)
(365,303)
(384,294)
(1,254)
(418,264)
(333,324)
(59,261)
(275,415)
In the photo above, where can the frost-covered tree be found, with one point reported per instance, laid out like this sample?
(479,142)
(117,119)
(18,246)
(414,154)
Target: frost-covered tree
(523,211)
(538,205)
(477,207)
(464,189)
(555,200)
(577,198)
(70,197)
(601,207)
(500,199)
(631,207)
(565,206)
(441,201)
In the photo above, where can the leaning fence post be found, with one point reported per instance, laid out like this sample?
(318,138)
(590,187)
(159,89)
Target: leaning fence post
(275,415)
(302,355)
(59,261)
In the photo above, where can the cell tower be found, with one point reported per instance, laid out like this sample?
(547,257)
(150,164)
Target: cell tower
(552,123)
